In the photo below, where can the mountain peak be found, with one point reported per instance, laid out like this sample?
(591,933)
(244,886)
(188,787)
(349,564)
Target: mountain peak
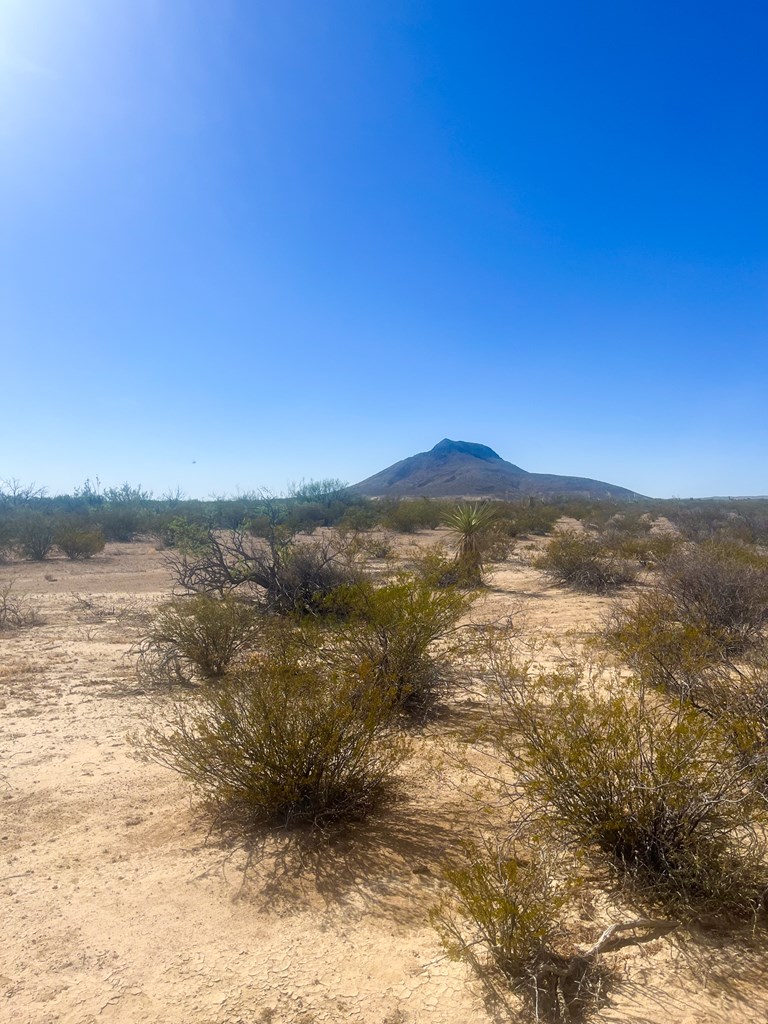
(464,469)
(479,451)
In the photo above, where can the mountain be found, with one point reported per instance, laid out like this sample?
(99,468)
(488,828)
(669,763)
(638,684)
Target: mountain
(454,469)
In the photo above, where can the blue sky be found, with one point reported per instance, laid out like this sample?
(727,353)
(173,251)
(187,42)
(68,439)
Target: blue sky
(244,243)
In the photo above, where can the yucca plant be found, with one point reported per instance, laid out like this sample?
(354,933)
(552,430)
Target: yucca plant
(471,524)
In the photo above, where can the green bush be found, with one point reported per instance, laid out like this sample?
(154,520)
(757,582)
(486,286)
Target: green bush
(436,568)
(400,635)
(661,649)
(648,549)
(36,535)
(531,518)
(407,515)
(7,535)
(511,901)
(358,518)
(79,542)
(583,562)
(184,534)
(201,633)
(282,742)
(660,789)
(686,660)
(507,903)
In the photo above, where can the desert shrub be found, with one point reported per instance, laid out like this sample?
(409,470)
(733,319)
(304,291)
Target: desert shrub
(507,903)
(400,636)
(583,562)
(15,611)
(721,589)
(7,535)
(407,515)
(36,533)
(274,567)
(717,520)
(357,518)
(512,902)
(186,535)
(648,549)
(437,568)
(686,660)
(79,541)
(283,742)
(125,512)
(378,546)
(659,788)
(532,517)
(309,574)
(121,524)
(658,646)
(201,633)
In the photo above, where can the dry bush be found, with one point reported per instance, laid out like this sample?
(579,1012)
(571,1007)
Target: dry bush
(744,521)
(585,563)
(658,787)
(283,573)
(197,633)
(15,611)
(721,589)
(284,742)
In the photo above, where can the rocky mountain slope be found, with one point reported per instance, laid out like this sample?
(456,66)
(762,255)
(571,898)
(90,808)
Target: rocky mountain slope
(465,469)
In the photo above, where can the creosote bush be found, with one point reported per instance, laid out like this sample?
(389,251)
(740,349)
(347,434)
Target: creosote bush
(688,661)
(512,901)
(583,562)
(36,534)
(658,787)
(438,568)
(80,542)
(661,649)
(284,742)
(201,633)
(399,635)
(407,515)
(507,903)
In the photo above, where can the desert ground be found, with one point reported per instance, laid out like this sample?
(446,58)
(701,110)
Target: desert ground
(121,902)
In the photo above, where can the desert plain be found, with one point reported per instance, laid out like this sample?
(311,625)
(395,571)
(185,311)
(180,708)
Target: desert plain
(122,902)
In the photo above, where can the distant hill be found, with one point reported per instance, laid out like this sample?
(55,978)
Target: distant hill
(454,469)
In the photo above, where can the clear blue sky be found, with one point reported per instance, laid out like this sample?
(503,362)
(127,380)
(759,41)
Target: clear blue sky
(246,242)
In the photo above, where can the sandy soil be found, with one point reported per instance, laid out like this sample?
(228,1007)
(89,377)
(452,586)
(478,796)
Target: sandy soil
(119,903)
